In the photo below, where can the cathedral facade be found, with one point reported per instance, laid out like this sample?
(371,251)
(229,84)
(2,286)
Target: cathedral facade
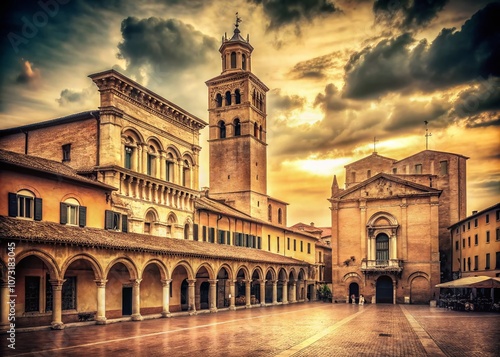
(390,237)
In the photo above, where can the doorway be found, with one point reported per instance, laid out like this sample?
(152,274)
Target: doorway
(384,290)
(127,300)
(353,290)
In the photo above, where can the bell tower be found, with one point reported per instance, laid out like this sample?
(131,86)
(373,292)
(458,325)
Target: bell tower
(237,129)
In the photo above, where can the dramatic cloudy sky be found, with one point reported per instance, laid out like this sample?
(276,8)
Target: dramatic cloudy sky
(340,73)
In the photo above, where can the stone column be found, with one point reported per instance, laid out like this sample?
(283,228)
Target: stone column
(136,300)
(213,295)
(57,284)
(232,305)
(163,171)
(138,160)
(5,306)
(293,297)
(275,292)
(285,292)
(166,297)
(145,159)
(191,296)
(304,283)
(262,293)
(248,292)
(101,302)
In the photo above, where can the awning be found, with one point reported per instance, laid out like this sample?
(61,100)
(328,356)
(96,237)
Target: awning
(472,282)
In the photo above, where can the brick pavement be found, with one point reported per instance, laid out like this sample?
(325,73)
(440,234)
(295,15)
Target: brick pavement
(311,329)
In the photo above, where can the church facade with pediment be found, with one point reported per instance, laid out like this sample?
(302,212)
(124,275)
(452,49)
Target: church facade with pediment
(387,238)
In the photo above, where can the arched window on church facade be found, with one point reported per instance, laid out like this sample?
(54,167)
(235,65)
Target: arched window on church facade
(255,130)
(382,249)
(243,61)
(280,216)
(269,213)
(228,98)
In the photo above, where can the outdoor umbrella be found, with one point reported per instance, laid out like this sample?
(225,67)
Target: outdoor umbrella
(472,282)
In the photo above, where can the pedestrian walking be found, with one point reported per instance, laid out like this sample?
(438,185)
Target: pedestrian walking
(353,298)
(361,299)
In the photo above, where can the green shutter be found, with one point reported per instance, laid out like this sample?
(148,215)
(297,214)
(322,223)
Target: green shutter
(38,209)
(124,223)
(64,213)
(12,204)
(108,220)
(82,216)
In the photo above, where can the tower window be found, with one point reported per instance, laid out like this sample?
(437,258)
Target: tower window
(218,100)
(255,130)
(418,169)
(237,127)
(228,98)
(222,130)
(269,213)
(233,59)
(280,216)
(66,151)
(237,96)
(443,165)
(243,62)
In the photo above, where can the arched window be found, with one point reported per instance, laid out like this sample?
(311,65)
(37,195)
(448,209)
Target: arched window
(169,176)
(148,222)
(72,213)
(280,216)
(24,204)
(186,174)
(269,213)
(222,129)
(237,96)
(228,98)
(382,249)
(237,127)
(260,132)
(186,231)
(244,61)
(171,221)
(255,130)
(151,169)
(218,100)
(233,59)
(128,157)
(254,97)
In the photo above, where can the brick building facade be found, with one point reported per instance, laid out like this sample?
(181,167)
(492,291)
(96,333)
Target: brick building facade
(389,226)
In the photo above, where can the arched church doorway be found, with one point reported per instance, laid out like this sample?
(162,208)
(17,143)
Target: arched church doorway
(353,290)
(384,290)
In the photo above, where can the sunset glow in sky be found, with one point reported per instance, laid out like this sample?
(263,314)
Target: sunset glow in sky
(340,73)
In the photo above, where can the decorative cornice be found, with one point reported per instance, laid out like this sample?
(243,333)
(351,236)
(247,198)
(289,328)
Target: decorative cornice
(133,92)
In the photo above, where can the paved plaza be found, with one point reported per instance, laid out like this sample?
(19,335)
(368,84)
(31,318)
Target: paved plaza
(310,329)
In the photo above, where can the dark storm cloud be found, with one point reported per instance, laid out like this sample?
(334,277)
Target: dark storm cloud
(283,102)
(318,67)
(483,96)
(286,12)
(331,100)
(408,116)
(165,45)
(70,96)
(454,57)
(407,14)
(380,69)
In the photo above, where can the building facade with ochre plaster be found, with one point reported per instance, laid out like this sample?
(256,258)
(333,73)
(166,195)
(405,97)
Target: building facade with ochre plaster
(108,222)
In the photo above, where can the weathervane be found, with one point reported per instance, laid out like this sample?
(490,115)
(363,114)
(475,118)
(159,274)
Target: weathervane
(238,20)
(375,144)
(427,134)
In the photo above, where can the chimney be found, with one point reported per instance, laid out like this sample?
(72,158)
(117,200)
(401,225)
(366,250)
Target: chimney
(312,224)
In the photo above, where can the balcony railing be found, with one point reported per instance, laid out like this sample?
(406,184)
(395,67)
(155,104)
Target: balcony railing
(390,265)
